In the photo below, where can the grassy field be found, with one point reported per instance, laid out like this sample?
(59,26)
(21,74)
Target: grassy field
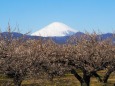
(67,80)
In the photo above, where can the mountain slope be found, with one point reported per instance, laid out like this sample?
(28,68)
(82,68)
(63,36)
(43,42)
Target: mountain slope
(59,40)
(55,29)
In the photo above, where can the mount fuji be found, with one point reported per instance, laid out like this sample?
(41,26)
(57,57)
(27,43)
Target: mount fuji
(55,29)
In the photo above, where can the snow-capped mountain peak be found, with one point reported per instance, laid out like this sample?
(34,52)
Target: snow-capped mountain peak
(55,29)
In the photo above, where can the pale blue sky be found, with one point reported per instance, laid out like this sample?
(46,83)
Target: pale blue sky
(32,15)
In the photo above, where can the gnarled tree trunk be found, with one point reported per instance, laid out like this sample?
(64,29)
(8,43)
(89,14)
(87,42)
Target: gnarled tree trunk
(86,78)
(85,81)
(97,76)
(17,80)
(106,77)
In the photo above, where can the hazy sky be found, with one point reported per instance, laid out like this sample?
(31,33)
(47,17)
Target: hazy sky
(32,15)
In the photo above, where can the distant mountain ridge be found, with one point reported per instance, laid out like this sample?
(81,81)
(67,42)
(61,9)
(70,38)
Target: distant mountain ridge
(59,40)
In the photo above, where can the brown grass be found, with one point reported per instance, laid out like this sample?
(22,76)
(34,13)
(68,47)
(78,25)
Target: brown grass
(67,80)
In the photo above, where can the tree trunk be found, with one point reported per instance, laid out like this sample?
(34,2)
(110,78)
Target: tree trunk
(85,81)
(86,78)
(97,76)
(17,80)
(84,84)
(77,76)
(17,83)
(106,77)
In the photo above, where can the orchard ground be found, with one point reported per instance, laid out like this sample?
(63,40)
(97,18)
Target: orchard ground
(67,80)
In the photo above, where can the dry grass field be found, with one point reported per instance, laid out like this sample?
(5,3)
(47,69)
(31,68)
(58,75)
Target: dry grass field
(67,80)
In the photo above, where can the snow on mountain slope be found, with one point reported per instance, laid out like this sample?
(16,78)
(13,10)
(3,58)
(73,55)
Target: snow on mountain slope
(55,29)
